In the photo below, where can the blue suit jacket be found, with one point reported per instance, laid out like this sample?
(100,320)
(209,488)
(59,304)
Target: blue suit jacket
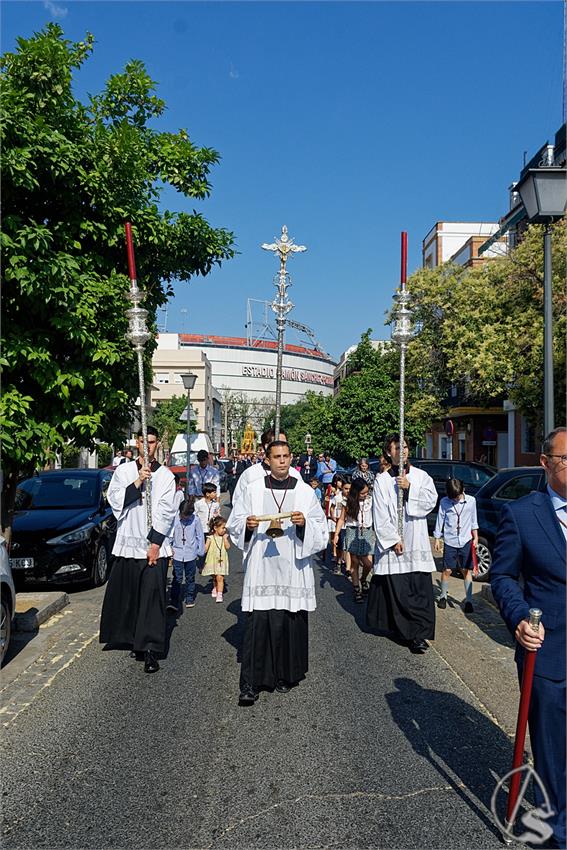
(530,545)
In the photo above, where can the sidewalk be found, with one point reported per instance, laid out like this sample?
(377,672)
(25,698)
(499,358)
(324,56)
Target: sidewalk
(60,625)
(479,649)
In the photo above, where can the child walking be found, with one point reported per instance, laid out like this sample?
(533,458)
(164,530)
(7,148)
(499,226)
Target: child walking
(457,524)
(342,555)
(188,543)
(217,545)
(329,506)
(360,539)
(207,507)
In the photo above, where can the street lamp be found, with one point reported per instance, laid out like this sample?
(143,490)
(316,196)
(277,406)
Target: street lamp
(281,306)
(543,192)
(307,440)
(188,382)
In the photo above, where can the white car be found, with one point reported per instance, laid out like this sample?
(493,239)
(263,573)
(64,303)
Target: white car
(8,593)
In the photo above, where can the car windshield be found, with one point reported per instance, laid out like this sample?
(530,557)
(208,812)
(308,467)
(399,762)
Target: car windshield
(180,458)
(57,491)
(472,474)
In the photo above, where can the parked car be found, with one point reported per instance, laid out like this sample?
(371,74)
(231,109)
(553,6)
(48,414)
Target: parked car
(8,600)
(63,528)
(506,486)
(473,475)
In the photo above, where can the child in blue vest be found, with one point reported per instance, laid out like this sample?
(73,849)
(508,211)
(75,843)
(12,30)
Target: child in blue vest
(188,543)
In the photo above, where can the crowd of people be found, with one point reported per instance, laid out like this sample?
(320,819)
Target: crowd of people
(285,511)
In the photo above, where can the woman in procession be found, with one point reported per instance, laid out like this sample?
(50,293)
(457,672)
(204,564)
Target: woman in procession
(360,540)
(364,472)
(401,592)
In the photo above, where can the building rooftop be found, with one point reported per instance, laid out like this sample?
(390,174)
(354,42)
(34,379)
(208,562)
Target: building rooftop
(242,342)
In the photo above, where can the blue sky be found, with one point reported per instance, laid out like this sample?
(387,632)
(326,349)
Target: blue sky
(348,122)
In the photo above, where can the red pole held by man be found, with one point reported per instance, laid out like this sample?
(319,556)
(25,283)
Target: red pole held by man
(521,726)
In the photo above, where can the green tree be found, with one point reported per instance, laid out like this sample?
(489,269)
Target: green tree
(482,329)
(73,172)
(357,420)
(104,454)
(165,418)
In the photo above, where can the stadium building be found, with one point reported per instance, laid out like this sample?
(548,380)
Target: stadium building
(235,366)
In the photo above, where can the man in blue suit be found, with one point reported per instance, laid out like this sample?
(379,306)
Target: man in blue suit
(531,546)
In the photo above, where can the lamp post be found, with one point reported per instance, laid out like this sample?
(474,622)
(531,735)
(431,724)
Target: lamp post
(188,382)
(281,306)
(401,334)
(543,192)
(307,440)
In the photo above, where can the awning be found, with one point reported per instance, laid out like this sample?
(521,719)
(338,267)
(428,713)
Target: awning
(514,219)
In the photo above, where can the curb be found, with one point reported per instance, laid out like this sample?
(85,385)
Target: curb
(38,607)
(486,594)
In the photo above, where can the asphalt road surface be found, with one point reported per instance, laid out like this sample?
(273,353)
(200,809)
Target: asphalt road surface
(377,748)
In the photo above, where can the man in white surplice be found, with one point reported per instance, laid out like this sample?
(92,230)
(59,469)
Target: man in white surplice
(279,587)
(400,600)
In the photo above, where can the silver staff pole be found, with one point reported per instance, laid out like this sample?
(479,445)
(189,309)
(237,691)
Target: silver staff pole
(401,334)
(284,247)
(139,335)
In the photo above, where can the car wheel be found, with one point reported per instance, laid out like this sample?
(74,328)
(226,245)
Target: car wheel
(484,556)
(5,629)
(100,569)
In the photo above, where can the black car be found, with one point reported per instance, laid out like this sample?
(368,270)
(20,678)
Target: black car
(63,528)
(505,486)
(473,475)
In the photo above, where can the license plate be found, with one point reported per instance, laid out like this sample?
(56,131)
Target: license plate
(21,563)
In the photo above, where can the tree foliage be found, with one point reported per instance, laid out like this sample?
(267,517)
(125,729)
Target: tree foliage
(72,174)
(482,329)
(357,420)
(165,418)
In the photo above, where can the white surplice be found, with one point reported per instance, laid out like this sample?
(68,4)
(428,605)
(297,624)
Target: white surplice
(278,572)
(417,557)
(132,532)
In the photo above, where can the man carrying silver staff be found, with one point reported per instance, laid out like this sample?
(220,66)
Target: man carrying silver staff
(400,600)
(133,612)
(279,525)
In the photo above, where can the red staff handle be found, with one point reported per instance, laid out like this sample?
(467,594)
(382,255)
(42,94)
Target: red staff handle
(404,267)
(474,555)
(130,251)
(523,711)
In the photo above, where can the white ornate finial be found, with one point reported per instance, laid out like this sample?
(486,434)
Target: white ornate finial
(283,246)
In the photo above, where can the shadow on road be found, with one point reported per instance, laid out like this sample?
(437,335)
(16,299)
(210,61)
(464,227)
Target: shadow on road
(235,633)
(345,594)
(469,751)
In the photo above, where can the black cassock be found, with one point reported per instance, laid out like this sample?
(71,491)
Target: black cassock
(133,611)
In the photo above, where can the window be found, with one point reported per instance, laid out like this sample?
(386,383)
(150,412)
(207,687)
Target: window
(177,379)
(462,447)
(161,377)
(519,486)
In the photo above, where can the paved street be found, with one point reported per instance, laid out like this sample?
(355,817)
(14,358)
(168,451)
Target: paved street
(376,748)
